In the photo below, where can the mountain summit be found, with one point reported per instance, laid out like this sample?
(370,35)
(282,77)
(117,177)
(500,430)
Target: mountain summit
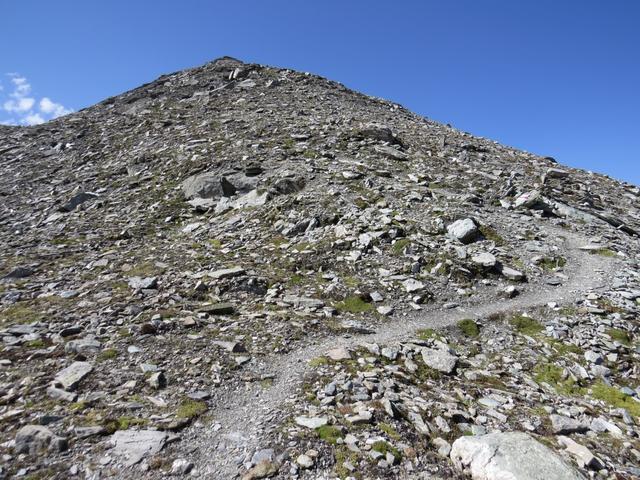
(245,271)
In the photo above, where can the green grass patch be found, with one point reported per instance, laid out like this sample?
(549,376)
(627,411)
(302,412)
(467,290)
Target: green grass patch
(391,432)
(490,234)
(353,304)
(36,344)
(20,313)
(553,375)
(384,448)
(605,252)
(548,264)
(428,334)
(329,434)
(563,349)
(107,354)
(191,409)
(123,423)
(468,327)
(398,247)
(618,335)
(614,397)
(318,362)
(525,325)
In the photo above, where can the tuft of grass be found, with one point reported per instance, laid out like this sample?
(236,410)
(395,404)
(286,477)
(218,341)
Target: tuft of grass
(191,409)
(329,434)
(427,334)
(525,325)
(468,327)
(36,344)
(107,354)
(490,234)
(384,448)
(318,362)
(123,423)
(398,247)
(619,336)
(615,398)
(391,432)
(553,375)
(548,264)
(605,252)
(354,304)
(20,313)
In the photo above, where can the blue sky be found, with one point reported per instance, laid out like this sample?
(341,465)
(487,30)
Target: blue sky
(559,78)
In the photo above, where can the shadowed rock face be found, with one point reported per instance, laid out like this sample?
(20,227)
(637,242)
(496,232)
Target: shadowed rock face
(178,260)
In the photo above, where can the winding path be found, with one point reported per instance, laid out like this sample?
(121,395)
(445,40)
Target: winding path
(242,413)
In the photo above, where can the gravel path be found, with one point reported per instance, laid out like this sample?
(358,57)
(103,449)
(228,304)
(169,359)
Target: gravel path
(243,413)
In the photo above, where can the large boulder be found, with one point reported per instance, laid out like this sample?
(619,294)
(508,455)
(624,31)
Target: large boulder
(207,185)
(35,439)
(465,230)
(509,456)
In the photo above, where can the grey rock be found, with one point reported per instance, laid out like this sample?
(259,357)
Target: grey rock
(562,425)
(512,456)
(71,376)
(77,200)
(139,283)
(227,273)
(35,439)
(440,360)
(466,230)
(133,445)
(484,259)
(311,422)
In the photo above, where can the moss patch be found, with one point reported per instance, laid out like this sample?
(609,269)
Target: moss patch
(614,397)
(190,409)
(384,448)
(354,304)
(525,325)
(468,327)
(329,434)
(619,336)
(391,432)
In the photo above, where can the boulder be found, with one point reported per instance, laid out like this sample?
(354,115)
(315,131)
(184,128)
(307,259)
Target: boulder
(71,376)
(440,360)
(35,439)
(465,231)
(207,185)
(509,456)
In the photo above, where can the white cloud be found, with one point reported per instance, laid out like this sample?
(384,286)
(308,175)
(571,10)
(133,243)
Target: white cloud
(55,109)
(33,119)
(20,103)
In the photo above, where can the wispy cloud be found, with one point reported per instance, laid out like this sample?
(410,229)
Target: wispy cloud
(23,107)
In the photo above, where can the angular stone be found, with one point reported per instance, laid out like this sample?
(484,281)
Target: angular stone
(466,230)
(509,456)
(227,273)
(135,445)
(484,259)
(440,360)
(139,283)
(35,439)
(562,425)
(311,422)
(338,354)
(71,376)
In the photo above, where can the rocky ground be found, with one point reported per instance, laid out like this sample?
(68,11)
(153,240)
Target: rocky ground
(244,271)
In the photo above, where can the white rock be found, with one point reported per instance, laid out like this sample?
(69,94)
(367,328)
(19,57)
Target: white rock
(509,456)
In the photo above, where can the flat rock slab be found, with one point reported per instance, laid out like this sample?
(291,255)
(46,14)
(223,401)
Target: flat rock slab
(509,456)
(136,445)
(440,360)
(227,273)
(71,376)
(311,422)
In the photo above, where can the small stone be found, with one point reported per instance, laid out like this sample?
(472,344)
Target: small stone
(484,259)
(412,285)
(562,425)
(384,310)
(157,381)
(139,283)
(264,469)
(311,422)
(180,466)
(466,231)
(304,461)
(338,354)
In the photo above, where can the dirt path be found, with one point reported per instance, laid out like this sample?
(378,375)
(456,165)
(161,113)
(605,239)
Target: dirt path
(242,413)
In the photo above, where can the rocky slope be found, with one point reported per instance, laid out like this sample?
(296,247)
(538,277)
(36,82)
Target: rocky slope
(238,270)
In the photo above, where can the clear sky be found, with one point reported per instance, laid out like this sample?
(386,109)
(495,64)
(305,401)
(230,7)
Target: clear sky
(554,77)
